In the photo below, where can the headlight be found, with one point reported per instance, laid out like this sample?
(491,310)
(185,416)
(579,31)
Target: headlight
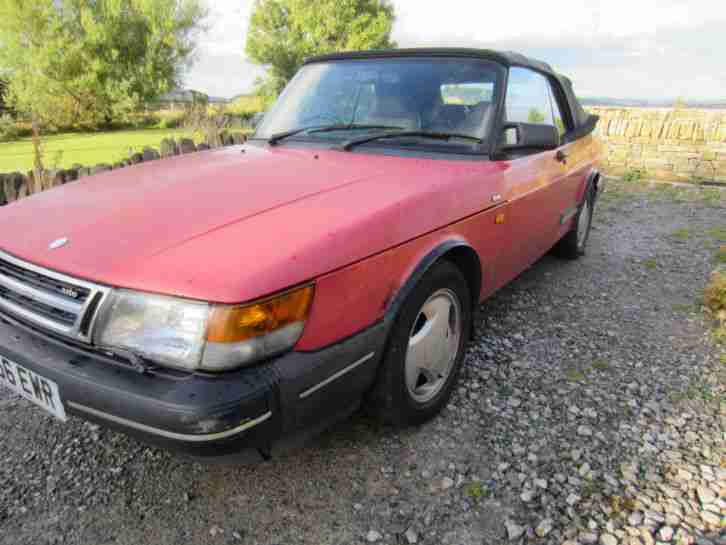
(165,330)
(198,336)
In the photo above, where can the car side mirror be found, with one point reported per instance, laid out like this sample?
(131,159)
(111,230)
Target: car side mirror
(529,137)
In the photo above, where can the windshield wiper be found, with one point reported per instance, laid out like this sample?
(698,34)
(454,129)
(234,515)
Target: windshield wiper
(139,363)
(350,144)
(276,138)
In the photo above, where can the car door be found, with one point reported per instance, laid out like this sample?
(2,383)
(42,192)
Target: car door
(533,178)
(574,161)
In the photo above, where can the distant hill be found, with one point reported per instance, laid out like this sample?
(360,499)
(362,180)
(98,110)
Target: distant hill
(243,95)
(183,96)
(644,103)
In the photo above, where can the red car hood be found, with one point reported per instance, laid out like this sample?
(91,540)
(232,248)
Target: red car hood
(229,226)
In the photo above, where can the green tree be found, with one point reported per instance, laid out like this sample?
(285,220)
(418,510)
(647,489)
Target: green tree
(93,60)
(535,116)
(283,33)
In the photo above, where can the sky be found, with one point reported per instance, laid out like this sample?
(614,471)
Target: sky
(637,49)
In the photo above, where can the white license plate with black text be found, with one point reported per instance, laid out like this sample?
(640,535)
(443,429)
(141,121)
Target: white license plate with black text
(32,386)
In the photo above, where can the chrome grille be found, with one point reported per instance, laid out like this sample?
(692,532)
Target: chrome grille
(47,299)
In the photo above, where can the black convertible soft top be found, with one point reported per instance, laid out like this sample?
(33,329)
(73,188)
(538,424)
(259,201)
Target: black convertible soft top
(584,123)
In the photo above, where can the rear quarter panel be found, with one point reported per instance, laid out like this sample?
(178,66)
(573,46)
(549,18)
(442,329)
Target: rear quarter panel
(585,153)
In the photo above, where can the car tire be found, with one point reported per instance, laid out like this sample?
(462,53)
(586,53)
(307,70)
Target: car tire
(425,349)
(574,243)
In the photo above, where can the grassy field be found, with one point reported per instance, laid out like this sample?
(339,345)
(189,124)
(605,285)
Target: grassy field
(63,150)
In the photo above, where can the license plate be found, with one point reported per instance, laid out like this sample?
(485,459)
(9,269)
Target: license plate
(32,386)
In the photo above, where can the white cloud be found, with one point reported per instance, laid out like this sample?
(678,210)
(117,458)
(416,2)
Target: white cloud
(221,68)
(428,21)
(619,48)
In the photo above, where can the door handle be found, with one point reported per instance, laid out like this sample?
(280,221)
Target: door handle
(561,157)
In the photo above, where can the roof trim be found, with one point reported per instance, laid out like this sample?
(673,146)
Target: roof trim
(507,58)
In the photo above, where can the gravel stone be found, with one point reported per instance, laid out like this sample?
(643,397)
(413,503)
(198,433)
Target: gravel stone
(572,499)
(705,494)
(544,527)
(528,495)
(711,519)
(514,531)
(584,431)
(598,377)
(665,533)
(373,536)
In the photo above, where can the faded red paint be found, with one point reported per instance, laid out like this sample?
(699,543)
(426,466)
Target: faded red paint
(535,191)
(229,227)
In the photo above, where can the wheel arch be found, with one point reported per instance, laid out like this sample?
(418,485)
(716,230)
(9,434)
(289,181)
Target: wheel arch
(458,252)
(592,181)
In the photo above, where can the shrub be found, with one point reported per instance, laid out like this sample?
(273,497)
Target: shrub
(208,124)
(143,120)
(634,175)
(246,106)
(170,120)
(11,129)
(714,298)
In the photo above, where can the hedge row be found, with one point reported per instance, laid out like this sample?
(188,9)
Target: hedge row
(15,185)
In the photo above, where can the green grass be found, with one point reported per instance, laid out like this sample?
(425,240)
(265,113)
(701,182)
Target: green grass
(684,308)
(476,491)
(718,233)
(651,263)
(634,175)
(88,149)
(574,374)
(619,192)
(681,234)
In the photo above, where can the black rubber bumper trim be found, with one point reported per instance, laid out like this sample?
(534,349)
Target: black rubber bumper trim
(245,425)
(205,416)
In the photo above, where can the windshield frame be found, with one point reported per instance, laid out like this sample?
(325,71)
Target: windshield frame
(452,147)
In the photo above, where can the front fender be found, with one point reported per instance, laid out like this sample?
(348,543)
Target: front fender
(370,291)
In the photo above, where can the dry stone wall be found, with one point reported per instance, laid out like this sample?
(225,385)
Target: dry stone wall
(664,144)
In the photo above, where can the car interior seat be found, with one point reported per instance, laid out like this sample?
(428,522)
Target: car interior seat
(460,118)
(391,110)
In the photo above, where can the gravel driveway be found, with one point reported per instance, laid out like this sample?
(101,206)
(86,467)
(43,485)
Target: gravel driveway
(591,410)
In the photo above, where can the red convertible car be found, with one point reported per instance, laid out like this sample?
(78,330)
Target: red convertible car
(222,301)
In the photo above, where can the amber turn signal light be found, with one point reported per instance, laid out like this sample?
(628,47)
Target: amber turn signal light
(233,324)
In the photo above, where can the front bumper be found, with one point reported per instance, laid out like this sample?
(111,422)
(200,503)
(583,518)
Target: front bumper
(205,416)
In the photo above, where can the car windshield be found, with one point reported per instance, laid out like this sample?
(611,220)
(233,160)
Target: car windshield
(356,98)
